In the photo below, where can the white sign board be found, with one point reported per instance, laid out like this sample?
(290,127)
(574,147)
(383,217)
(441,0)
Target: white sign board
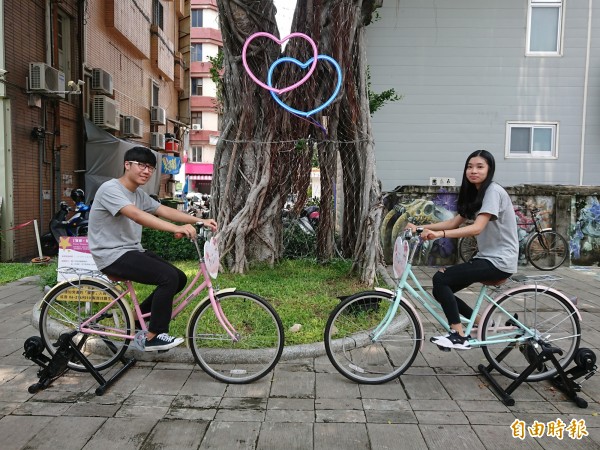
(74,253)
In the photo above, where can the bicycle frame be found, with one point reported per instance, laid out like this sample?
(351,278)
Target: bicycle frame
(180,303)
(432,306)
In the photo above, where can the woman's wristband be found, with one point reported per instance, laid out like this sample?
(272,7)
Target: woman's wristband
(444,231)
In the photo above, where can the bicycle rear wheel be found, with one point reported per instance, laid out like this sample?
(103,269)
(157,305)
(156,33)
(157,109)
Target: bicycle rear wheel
(467,248)
(551,319)
(68,304)
(547,250)
(349,338)
(259,342)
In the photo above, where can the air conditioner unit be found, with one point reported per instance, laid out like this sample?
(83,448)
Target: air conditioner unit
(106,112)
(102,81)
(132,126)
(157,141)
(45,78)
(196,126)
(158,116)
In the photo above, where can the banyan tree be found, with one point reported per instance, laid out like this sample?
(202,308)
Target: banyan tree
(265,153)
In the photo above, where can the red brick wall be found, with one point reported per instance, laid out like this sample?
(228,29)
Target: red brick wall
(25,37)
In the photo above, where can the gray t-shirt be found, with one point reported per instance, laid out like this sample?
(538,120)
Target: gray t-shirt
(498,242)
(110,234)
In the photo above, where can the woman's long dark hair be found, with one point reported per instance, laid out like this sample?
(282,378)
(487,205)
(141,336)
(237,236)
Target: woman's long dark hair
(469,197)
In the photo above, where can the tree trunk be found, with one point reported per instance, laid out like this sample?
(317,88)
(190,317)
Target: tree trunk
(258,158)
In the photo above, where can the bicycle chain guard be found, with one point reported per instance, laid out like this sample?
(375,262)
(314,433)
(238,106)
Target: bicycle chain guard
(139,341)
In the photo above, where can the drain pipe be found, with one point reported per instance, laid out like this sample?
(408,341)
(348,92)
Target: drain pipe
(585,93)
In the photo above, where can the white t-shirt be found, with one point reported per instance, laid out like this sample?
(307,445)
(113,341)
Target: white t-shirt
(110,234)
(498,242)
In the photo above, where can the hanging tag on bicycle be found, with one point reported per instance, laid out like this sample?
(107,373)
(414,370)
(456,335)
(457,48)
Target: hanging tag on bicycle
(400,256)
(211,257)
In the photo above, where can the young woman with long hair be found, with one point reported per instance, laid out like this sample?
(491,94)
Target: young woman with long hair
(494,225)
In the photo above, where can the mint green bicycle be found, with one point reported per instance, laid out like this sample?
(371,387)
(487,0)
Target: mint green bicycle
(374,336)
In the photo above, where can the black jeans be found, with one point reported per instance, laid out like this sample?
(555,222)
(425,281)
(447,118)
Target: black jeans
(148,268)
(455,278)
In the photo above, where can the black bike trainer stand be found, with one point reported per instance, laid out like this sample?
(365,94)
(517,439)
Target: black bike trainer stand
(53,368)
(585,360)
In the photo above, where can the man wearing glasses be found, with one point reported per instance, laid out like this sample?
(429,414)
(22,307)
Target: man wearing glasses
(119,212)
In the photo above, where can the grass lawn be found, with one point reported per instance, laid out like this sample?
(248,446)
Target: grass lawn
(302,291)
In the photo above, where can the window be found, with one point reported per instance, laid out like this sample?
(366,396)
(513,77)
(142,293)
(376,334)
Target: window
(544,27)
(197,120)
(196,153)
(63,44)
(196,50)
(157,14)
(197,18)
(531,140)
(155,94)
(196,86)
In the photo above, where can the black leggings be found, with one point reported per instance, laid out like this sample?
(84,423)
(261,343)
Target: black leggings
(458,277)
(148,268)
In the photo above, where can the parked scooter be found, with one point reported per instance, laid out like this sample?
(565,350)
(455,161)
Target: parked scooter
(76,225)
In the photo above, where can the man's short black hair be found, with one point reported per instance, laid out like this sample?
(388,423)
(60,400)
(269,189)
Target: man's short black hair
(141,154)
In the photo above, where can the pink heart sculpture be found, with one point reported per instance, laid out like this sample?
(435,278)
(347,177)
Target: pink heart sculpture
(280,41)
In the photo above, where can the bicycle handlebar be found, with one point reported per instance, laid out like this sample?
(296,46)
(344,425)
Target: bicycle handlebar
(200,228)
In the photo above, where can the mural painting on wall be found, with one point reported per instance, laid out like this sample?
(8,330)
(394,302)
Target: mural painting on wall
(584,232)
(404,208)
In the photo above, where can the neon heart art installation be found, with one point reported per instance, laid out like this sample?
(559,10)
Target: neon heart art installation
(280,41)
(336,90)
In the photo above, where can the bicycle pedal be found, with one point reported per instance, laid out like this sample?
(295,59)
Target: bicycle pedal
(444,349)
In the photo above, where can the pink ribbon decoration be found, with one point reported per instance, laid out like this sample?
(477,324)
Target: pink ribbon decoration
(289,36)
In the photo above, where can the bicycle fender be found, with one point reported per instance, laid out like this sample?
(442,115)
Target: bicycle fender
(410,306)
(533,286)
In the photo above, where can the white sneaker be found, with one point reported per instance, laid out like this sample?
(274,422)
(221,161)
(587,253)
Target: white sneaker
(161,341)
(452,340)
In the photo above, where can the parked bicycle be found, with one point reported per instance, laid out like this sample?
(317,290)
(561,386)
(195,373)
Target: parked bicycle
(544,248)
(374,336)
(235,336)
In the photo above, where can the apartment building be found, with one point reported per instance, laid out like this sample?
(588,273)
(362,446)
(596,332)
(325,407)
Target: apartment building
(84,81)
(205,42)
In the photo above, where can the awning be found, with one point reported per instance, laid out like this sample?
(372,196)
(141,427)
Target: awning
(198,168)
(200,177)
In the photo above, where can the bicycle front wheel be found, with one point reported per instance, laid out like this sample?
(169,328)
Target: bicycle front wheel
(467,248)
(547,250)
(70,303)
(258,342)
(351,344)
(549,318)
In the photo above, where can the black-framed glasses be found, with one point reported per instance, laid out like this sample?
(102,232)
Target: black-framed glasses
(143,166)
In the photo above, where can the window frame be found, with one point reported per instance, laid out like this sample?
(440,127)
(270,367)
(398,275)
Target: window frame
(197,82)
(196,118)
(193,52)
(560,4)
(64,44)
(553,154)
(158,14)
(198,15)
(193,153)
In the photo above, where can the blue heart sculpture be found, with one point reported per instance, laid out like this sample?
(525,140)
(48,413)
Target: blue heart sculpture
(336,91)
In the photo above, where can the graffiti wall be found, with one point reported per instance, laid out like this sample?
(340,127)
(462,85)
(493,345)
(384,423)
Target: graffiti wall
(584,231)
(420,210)
(425,208)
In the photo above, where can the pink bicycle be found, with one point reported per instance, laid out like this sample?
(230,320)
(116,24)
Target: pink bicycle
(235,336)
